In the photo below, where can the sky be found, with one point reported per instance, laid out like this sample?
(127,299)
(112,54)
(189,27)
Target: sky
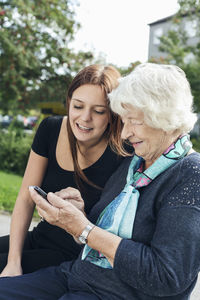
(118,29)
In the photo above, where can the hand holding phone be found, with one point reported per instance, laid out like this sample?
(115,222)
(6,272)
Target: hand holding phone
(40,191)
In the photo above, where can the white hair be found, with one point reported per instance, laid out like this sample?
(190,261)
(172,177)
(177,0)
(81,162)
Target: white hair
(161,92)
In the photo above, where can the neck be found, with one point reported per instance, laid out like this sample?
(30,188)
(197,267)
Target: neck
(85,147)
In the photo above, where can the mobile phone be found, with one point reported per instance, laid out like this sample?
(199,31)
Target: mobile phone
(40,191)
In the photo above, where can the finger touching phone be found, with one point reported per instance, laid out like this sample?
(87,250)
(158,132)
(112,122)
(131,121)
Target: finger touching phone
(40,191)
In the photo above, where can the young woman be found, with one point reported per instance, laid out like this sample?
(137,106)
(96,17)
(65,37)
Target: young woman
(73,151)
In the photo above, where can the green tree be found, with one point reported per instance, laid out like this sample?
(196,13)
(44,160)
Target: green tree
(36,61)
(179,51)
(126,70)
(189,6)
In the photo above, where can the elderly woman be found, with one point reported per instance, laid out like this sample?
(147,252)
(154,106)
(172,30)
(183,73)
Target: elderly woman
(145,244)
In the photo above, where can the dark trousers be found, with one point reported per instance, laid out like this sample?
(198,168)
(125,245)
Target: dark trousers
(32,258)
(45,284)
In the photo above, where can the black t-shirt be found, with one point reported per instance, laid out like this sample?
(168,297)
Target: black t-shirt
(56,178)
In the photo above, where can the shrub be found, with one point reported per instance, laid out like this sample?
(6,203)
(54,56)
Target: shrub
(196,143)
(15,146)
(9,188)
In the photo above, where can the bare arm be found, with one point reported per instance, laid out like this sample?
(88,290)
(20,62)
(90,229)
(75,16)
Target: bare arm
(23,212)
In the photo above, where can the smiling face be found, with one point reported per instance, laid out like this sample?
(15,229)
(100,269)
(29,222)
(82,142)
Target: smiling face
(148,142)
(88,114)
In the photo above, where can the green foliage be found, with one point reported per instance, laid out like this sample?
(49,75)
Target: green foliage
(179,51)
(196,143)
(174,44)
(35,55)
(14,149)
(9,188)
(189,6)
(126,70)
(192,71)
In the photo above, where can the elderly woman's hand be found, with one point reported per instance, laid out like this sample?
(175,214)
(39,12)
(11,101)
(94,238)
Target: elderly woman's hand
(61,209)
(73,196)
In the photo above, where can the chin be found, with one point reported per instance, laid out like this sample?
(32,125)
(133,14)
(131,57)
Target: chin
(139,154)
(82,135)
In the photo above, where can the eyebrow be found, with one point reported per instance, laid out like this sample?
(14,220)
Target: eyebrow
(94,104)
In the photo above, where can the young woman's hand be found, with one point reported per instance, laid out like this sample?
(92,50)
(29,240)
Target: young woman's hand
(11,269)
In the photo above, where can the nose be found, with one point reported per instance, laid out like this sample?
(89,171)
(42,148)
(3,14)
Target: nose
(86,115)
(126,132)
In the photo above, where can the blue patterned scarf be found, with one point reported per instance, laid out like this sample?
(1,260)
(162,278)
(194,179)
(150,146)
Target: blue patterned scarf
(118,217)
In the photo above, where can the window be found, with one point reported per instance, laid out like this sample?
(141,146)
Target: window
(191,28)
(157,34)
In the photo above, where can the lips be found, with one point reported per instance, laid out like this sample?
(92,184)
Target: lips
(83,128)
(135,144)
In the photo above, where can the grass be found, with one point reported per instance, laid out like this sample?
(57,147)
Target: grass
(9,188)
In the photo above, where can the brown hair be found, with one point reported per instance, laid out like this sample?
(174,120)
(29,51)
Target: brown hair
(107,78)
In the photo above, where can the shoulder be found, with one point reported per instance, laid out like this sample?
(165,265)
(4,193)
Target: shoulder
(51,121)
(186,167)
(47,131)
(49,126)
(189,165)
(176,186)
(189,172)
(185,187)
(186,171)
(193,158)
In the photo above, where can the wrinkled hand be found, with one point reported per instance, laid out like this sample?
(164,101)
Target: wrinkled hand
(11,270)
(73,196)
(62,212)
